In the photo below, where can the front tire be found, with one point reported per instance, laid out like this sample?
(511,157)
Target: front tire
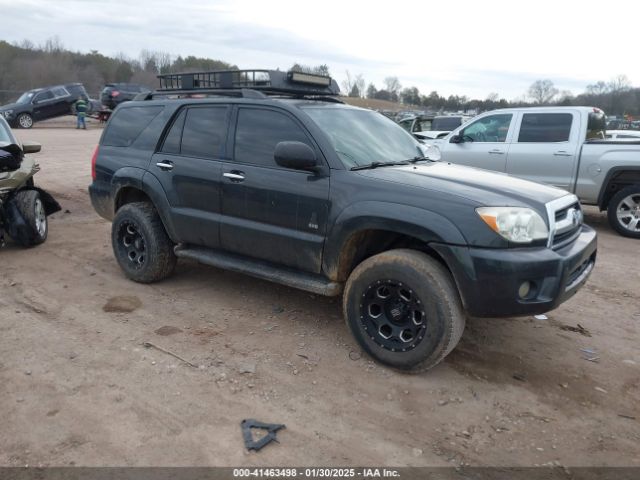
(141,245)
(24,120)
(403,308)
(623,211)
(31,209)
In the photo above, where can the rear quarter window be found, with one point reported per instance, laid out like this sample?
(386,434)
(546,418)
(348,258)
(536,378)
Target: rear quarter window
(128,123)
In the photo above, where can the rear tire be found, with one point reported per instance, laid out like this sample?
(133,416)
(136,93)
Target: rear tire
(24,120)
(403,308)
(141,245)
(31,209)
(623,211)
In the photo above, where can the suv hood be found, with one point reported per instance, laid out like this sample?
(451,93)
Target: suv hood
(480,186)
(9,106)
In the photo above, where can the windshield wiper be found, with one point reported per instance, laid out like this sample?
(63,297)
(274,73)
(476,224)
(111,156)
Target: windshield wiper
(379,164)
(420,158)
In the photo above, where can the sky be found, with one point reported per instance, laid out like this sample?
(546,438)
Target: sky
(463,47)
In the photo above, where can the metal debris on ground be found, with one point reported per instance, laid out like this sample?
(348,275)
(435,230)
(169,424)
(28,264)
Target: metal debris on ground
(247,434)
(541,317)
(578,329)
(630,417)
(151,345)
(590,355)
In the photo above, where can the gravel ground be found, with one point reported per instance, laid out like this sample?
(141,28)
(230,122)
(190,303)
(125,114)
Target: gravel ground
(77,386)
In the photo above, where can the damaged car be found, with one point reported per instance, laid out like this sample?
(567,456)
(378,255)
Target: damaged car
(23,206)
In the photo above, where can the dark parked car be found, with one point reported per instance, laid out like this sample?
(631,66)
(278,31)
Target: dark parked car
(266,173)
(113,94)
(42,103)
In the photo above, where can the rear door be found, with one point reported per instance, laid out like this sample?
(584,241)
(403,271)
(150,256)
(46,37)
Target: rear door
(269,212)
(188,165)
(485,144)
(545,147)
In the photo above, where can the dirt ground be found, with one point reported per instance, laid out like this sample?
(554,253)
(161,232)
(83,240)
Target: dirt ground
(77,386)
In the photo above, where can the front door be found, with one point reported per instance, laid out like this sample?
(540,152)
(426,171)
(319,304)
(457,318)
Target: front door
(484,144)
(188,166)
(44,105)
(269,212)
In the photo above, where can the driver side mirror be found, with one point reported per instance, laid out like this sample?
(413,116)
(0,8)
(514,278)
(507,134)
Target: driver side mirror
(296,155)
(31,147)
(457,139)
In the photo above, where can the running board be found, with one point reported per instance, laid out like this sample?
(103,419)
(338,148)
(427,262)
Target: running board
(260,269)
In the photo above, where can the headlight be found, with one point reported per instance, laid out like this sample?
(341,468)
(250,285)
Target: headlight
(432,153)
(516,224)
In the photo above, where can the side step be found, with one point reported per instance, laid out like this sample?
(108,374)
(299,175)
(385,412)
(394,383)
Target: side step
(259,269)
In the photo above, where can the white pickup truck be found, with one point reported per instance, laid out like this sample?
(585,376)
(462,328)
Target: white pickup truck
(560,146)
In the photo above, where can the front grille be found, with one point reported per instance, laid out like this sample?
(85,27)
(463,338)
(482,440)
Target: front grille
(565,221)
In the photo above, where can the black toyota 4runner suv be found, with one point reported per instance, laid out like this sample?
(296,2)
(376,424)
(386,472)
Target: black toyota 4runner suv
(266,173)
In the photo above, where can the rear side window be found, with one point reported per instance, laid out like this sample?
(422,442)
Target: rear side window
(60,92)
(545,127)
(128,123)
(204,132)
(446,123)
(174,137)
(42,96)
(259,131)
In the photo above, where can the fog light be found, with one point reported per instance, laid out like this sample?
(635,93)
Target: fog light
(524,290)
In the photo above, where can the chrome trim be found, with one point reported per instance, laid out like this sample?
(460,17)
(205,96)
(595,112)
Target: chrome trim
(552,207)
(233,176)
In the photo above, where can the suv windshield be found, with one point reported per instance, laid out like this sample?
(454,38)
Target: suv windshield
(361,137)
(26,97)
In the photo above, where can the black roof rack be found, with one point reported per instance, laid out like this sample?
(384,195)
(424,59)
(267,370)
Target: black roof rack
(247,84)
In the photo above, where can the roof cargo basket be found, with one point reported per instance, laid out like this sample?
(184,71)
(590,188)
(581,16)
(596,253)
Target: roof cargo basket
(268,82)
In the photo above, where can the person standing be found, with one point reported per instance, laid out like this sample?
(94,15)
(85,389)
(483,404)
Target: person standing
(81,106)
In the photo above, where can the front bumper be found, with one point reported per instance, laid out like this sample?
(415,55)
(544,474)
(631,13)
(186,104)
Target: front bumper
(489,279)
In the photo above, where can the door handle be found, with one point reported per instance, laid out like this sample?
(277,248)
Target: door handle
(562,153)
(234,176)
(165,165)
(496,152)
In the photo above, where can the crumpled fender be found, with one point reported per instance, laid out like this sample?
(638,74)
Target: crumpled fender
(15,224)
(50,204)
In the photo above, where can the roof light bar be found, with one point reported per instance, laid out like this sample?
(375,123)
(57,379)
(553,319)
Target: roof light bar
(309,78)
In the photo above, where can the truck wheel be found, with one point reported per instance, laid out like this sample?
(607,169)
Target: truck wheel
(24,120)
(623,211)
(403,308)
(141,244)
(31,209)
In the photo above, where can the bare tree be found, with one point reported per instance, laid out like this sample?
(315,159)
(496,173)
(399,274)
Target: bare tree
(348,83)
(542,91)
(597,88)
(360,83)
(393,85)
(619,83)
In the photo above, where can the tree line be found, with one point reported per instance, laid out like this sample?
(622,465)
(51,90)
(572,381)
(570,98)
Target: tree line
(25,66)
(616,97)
